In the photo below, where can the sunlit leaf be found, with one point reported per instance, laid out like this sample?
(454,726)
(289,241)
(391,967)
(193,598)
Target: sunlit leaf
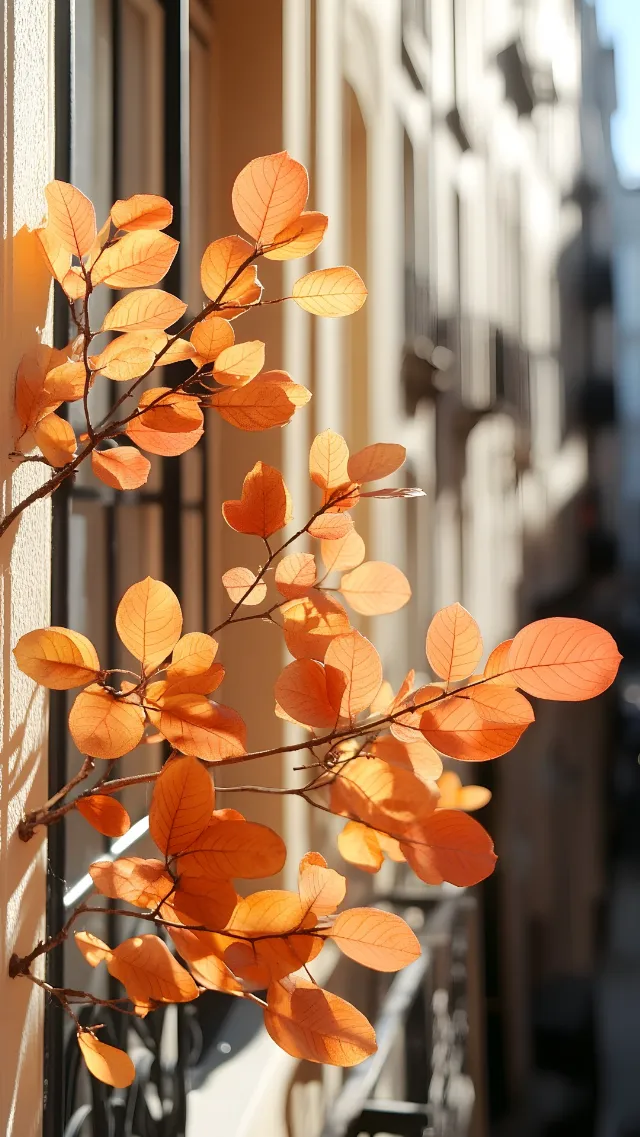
(417,755)
(66,382)
(171,411)
(300,238)
(107,1063)
(295,575)
(147,308)
(57,658)
(236,365)
(195,726)
(192,655)
(311,623)
(220,266)
(265,505)
(210,337)
(331,527)
(376,939)
(142,211)
(454,643)
(169,445)
(330,291)
(453,795)
(149,972)
(343,554)
(103,726)
(56,439)
(214,975)
(376,588)
(475,730)
(181,805)
(318,1026)
(56,257)
(136,260)
(394,492)
(241,586)
(149,621)
(359,845)
(105,814)
(32,400)
(354,673)
(143,883)
(125,357)
(321,889)
(268,194)
(71,217)
(259,405)
(386,797)
(122,469)
(564,658)
(449,845)
(74,283)
(301,691)
(95,951)
(405,724)
(376,461)
(328,460)
(231,848)
(200,900)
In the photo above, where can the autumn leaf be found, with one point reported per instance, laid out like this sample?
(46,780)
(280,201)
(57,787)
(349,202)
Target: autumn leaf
(71,219)
(321,889)
(344,554)
(453,795)
(142,211)
(376,939)
(375,462)
(105,814)
(301,691)
(295,575)
(243,587)
(331,527)
(122,469)
(210,337)
(354,673)
(386,797)
(299,238)
(143,883)
(376,588)
(497,665)
(316,1025)
(181,805)
(237,365)
(449,845)
(564,658)
(328,459)
(261,404)
(405,724)
(146,968)
(268,194)
(57,658)
(477,729)
(149,621)
(192,655)
(220,266)
(359,845)
(126,357)
(265,505)
(270,913)
(65,383)
(103,726)
(454,643)
(197,727)
(54,254)
(107,1063)
(160,442)
(200,900)
(56,439)
(263,961)
(33,400)
(214,975)
(95,951)
(231,848)
(136,260)
(171,411)
(144,309)
(311,623)
(330,292)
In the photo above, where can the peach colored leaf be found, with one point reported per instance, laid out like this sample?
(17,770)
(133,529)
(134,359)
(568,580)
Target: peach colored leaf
(136,260)
(394,492)
(65,383)
(192,655)
(296,394)
(57,658)
(149,621)
(95,951)
(359,845)
(220,266)
(166,349)
(236,365)
(321,889)
(203,683)
(471,731)
(72,218)
(331,527)
(214,975)
(405,725)
(386,797)
(295,575)
(330,291)
(299,238)
(342,554)
(497,665)
(32,401)
(230,848)
(142,211)
(105,814)
(310,624)
(143,883)
(181,805)
(56,439)
(103,726)
(376,588)
(54,254)
(391,846)
(376,461)
(242,587)
(201,900)
(267,960)
(376,939)
(268,194)
(171,411)
(265,505)
(107,1063)
(454,643)
(210,337)
(354,673)
(301,691)
(453,795)
(313,1024)
(149,972)
(383,700)
(125,357)
(260,404)
(564,658)
(144,309)
(273,912)
(415,755)
(122,469)
(160,442)
(449,846)
(328,460)
(195,726)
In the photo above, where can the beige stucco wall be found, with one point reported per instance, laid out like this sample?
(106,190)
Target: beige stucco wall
(27,134)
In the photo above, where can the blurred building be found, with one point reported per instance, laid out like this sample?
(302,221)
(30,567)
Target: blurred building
(456,147)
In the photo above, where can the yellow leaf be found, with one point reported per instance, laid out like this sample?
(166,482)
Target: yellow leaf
(56,439)
(181,805)
(125,357)
(192,655)
(72,218)
(66,382)
(55,256)
(330,292)
(328,459)
(142,211)
(143,309)
(57,658)
(236,365)
(149,621)
(220,266)
(136,260)
(300,238)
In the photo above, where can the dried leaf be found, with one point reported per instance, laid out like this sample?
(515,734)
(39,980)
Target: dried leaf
(564,658)
(295,575)
(122,469)
(454,643)
(95,951)
(72,218)
(136,260)
(57,658)
(181,805)
(318,1026)
(103,726)
(106,1063)
(105,814)
(241,586)
(142,211)
(376,939)
(299,238)
(330,292)
(265,505)
(149,621)
(376,588)
(268,194)
(147,308)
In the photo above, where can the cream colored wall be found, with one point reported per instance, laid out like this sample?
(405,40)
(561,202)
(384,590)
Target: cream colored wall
(26,123)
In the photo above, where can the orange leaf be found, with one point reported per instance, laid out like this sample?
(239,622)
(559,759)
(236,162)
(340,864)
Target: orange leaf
(376,939)
(195,726)
(328,460)
(142,211)
(301,691)
(259,405)
(383,700)
(416,755)
(299,238)
(57,658)
(181,805)
(265,505)
(147,308)
(105,814)
(65,383)
(564,658)
(136,260)
(385,797)
(474,731)
(273,912)
(310,624)
(406,726)
(263,961)
(203,683)
(359,845)
(295,575)
(376,461)
(497,665)
(56,439)
(172,411)
(192,655)
(238,583)
(343,554)
(354,673)
(236,365)
(221,261)
(72,218)
(212,974)
(149,621)
(149,972)
(159,442)
(200,900)
(126,357)
(103,726)
(376,588)
(296,394)
(453,795)
(449,846)
(268,194)
(95,951)
(143,883)
(176,352)
(32,401)
(321,889)
(231,848)
(331,527)
(210,337)
(318,1026)
(454,643)
(330,291)
(106,1063)
(122,469)
(54,254)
